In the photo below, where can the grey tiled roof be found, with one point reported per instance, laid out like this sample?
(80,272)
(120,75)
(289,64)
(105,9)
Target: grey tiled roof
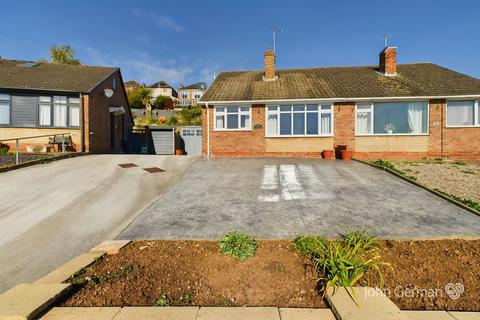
(420,79)
(53,77)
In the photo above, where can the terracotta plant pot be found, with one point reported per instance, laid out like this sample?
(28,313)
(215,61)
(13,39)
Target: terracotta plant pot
(178,152)
(346,154)
(327,154)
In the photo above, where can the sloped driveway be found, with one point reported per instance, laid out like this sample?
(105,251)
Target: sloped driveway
(281,198)
(53,212)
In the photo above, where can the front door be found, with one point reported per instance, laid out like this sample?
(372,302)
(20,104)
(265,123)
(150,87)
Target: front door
(112,131)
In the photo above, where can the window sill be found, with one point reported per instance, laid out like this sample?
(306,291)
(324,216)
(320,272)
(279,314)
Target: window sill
(230,130)
(392,135)
(462,127)
(301,136)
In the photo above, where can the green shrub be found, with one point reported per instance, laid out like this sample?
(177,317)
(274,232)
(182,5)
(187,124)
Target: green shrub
(468,202)
(459,163)
(365,240)
(342,263)
(309,245)
(238,244)
(343,266)
(387,164)
(162,302)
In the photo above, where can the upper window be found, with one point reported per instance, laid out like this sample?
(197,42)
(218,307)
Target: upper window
(463,113)
(392,118)
(4,109)
(114,83)
(233,118)
(299,120)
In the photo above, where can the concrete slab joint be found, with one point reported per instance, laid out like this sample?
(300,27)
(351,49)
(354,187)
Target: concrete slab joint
(110,247)
(371,303)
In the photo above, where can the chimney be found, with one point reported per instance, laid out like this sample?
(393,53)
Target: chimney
(388,61)
(269,65)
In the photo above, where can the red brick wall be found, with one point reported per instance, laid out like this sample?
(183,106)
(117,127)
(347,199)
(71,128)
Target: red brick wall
(457,143)
(97,114)
(344,124)
(388,61)
(236,143)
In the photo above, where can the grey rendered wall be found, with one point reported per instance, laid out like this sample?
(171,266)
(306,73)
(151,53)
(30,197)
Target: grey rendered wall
(24,111)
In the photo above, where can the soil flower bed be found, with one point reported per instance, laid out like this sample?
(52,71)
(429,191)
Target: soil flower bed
(147,273)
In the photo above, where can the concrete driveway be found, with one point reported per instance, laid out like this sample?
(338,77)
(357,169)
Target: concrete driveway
(281,198)
(51,213)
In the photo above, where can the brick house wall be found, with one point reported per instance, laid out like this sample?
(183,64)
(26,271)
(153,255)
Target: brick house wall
(97,118)
(457,143)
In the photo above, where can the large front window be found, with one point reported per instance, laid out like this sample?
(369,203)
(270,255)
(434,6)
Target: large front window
(4,109)
(58,111)
(392,118)
(463,113)
(233,118)
(299,120)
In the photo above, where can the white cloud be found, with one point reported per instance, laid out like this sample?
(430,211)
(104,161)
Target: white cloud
(143,68)
(162,22)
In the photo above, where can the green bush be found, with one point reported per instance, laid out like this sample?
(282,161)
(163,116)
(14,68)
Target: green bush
(365,240)
(342,263)
(238,244)
(468,202)
(309,245)
(387,164)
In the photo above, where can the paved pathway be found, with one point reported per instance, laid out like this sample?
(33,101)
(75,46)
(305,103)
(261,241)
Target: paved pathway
(51,213)
(281,198)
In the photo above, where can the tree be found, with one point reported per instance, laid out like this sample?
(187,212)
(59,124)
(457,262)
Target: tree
(163,102)
(63,54)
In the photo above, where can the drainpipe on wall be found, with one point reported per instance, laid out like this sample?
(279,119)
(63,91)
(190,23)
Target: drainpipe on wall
(82,125)
(208,131)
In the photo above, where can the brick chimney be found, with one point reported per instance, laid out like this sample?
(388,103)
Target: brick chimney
(388,61)
(269,65)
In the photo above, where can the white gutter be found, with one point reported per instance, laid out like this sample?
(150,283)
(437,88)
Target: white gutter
(208,131)
(342,99)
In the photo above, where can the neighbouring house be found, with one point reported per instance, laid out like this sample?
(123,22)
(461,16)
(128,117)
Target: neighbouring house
(87,103)
(162,88)
(390,110)
(190,95)
(132,85)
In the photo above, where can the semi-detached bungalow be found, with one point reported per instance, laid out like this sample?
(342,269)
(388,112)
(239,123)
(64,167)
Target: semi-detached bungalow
(87,103)
(396,111)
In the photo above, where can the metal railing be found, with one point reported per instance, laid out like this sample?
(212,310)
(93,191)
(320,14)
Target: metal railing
(17,143)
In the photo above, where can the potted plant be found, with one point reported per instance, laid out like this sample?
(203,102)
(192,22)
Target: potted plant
(327,154)
(178,152)
(346,154)
(389,128)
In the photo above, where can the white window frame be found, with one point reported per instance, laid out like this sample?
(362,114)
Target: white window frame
(476,114)
(9,102)
(372,110)
(305,112)
(239,113)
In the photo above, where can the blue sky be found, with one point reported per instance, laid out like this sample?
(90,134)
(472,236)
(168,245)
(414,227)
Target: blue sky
(189,41)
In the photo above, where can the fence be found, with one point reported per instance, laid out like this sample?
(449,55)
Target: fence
(17,142)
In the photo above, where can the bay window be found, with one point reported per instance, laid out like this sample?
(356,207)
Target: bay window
(392,118)
(463,113)
(4,109)
(233,118)
(299,120)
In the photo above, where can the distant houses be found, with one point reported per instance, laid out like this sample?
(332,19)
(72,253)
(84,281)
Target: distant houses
(186,96)
(191,94)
